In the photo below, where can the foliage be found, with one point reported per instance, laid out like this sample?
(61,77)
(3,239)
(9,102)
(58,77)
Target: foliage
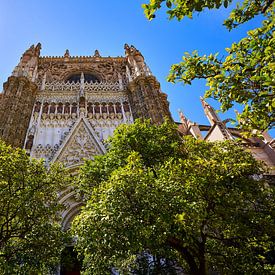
(185,8)
(30,233)
(181,8)
(246,74)
(192,201)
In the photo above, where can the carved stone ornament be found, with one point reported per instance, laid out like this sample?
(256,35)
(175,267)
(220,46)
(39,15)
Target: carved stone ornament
(82,143)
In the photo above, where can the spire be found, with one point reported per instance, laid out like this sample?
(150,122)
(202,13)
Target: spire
(210,112)
(28,63)
(37,49)
(135,60)
(189,128)
(67,54)
(218,130)
(97,54)
(183,120)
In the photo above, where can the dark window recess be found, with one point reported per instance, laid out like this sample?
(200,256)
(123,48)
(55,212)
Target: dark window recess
(87,78)
(70,264)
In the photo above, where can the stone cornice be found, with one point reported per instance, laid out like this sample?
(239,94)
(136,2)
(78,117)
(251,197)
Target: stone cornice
(77,59)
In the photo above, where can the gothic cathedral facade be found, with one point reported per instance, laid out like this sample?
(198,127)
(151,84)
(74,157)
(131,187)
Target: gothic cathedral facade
(64,108)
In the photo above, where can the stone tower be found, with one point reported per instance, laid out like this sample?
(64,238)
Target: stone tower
(18,98)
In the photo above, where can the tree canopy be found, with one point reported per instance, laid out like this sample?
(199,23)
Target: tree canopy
(246,74)
(31,239)
(195,202)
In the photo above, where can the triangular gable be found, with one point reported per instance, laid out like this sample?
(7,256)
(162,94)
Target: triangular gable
(81,143)
(218,132)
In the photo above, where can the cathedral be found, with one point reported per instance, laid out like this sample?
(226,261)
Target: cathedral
(63,108)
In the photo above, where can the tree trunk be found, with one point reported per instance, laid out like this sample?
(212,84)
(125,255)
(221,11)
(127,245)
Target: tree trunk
(194,269)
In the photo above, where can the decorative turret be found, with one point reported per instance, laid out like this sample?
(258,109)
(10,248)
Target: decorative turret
(18,98)
(189,128)
(97,54)
(210,112)
(66,55)
(218,130)
(184,122)
(28,63)
(145,96)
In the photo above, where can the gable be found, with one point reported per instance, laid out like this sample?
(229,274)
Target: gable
(81,143)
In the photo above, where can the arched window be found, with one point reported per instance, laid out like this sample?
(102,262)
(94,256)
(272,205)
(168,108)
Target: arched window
(104,108)
(67,108)
(74,108)
(126,106)
(45,108)
(52,108)
(87,78)
(118,108)
(60,108)
(90,108)
(37,107)
(111,108)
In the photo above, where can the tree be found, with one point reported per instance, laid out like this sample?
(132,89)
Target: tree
(246,74)
(30,232)
(195,202)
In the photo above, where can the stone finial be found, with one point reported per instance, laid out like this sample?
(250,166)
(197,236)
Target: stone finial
(32,51)
(135,59)
(127,49)
(184,121)
(97,54)
(210,112)
(189,128)
(67,54)
(131,50)
(37,49)
(182,116)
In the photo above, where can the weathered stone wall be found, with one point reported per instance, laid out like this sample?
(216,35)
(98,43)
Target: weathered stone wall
(16,105)
(147,100)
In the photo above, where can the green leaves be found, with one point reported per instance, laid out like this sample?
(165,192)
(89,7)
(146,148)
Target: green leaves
(246,75)
(191,201)
(182,8)
(30,233)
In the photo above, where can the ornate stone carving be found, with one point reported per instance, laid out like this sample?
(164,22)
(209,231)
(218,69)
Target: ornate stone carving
(59,86)
(16,109)
(81,144)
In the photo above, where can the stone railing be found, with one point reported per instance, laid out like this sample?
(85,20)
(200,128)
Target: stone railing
(87,86)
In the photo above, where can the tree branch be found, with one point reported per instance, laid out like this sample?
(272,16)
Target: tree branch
(267,5)
(178,245)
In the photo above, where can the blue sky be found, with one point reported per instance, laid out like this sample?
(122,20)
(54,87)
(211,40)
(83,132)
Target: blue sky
(83,26)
